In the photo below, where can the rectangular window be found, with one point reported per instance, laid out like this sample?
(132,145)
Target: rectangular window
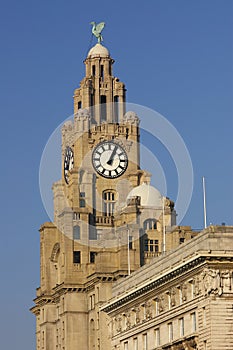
(145,342)
(103,109)
(102,71)
(157,337)
(204,316)
(126,346)
(194,321)
(156,307)
(170,331)
(77,257)
(146,245)
(135,344)
(116,107)
(76,232)
(181,321)
(93,70)
(79,104)
(92,257)
(130,242)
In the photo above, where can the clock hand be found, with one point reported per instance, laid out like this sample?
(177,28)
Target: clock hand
(110,161)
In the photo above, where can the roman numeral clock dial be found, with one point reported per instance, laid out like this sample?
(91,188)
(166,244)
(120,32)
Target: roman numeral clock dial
(68,163)
(109,159)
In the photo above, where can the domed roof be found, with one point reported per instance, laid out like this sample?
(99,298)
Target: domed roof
(98,51)
(150,196)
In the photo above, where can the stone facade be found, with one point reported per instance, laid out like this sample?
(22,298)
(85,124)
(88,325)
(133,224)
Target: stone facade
(182,300)
(106,228)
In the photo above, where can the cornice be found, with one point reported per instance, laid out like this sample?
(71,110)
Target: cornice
(170,275)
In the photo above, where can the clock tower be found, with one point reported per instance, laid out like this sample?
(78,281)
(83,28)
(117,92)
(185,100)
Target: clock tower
(108,220)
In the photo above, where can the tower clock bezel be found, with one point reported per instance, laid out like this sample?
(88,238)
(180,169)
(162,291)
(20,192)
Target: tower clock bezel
(68,163)
(109,159)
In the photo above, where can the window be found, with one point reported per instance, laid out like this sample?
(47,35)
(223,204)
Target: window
(116,107)
(135,344)
(204,316)
(130,242)
(144,341)
(93,70)
(150,224)
(109,200)
(79,104)
(181,240)
(157,337)
(126,346)
(82,202)
(170,331)
(103,109)
(181,322)
(77,257)
(102,71)
(92,257)
(151,245)
(194,322)
(76,232)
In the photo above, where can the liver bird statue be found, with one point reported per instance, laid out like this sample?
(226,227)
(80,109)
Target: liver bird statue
(97,29)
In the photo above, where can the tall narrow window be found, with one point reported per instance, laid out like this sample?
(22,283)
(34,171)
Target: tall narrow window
(79,104)
(130,242)
(77,257)
(116,107)
(181,321)
(92,257)
(194,321)
(109,200)
(145,347)
(204,316)
(102,72)
(93,70)
(126,346)
(92,100)
(170,331)
(157,337)
(76,232)
(135,344)
(103,109)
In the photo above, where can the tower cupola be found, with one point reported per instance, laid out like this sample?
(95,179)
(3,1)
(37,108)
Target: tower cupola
(100,92)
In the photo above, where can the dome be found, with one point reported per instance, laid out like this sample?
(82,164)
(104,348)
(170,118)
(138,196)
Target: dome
(150,196)
(98,51)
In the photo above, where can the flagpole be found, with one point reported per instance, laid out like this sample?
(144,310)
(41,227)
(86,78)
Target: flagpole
(128,253)
(164,230)
(204,201)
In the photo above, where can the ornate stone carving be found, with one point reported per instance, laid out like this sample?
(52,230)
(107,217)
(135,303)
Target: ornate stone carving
(131,118)
(173,296)
(211,282)
(161,302)
(226,281)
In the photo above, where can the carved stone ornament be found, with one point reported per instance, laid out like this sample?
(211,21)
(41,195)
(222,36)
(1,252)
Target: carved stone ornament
(211,282)
(131,118)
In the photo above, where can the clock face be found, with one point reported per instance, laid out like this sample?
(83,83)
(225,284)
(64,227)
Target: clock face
(109,159)
(68,163)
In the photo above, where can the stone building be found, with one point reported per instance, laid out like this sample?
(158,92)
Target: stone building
(109,222)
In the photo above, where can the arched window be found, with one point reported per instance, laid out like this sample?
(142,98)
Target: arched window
(150,224)
(76,232)
(109,201)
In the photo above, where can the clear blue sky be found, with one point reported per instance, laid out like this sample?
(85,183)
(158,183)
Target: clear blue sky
(175,56)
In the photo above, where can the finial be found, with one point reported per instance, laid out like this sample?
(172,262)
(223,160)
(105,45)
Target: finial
(97,29)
